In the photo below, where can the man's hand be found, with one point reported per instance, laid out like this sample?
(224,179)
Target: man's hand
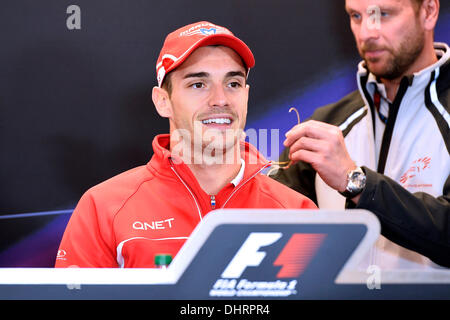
(322,145)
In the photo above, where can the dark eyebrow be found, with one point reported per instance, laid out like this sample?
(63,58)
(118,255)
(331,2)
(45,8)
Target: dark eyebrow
(206,74)
(235,74)
(349,10)
(196,75)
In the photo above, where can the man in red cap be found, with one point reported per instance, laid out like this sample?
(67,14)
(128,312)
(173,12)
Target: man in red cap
(201,165)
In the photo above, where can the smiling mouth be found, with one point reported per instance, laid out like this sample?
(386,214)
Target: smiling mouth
(217,121)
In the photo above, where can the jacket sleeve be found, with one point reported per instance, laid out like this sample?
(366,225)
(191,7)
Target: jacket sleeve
(299,177)
(417,221)
(87,241)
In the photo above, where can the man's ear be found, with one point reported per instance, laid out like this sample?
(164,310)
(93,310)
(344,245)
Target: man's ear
(162,102)
(247,87)
(430,9)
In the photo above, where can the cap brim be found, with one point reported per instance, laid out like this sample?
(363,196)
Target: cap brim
(219,39)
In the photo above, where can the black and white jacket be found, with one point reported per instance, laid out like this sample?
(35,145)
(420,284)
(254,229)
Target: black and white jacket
(406,160)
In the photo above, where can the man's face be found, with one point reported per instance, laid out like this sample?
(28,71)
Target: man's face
(209,97)
(388,35)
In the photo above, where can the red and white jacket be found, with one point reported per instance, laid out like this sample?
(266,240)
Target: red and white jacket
(152,209)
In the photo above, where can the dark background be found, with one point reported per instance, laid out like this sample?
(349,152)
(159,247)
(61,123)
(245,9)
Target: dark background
(75,105)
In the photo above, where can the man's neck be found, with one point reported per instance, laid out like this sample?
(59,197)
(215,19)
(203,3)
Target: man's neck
(212,171)
(391,86)
(213,178)
(426,59)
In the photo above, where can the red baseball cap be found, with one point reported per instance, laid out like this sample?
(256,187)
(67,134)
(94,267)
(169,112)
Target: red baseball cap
(182,42)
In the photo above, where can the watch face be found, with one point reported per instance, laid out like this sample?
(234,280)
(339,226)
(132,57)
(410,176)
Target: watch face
(356,181)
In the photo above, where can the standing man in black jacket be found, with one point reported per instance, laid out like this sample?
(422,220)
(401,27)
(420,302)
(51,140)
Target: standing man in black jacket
(386,147)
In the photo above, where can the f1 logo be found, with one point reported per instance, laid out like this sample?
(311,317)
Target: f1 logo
(293,259)
(248,255)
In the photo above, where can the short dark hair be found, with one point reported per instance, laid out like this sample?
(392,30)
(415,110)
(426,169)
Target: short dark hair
(167,83)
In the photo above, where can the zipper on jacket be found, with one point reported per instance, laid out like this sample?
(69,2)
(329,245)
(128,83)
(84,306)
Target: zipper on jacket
(389,129)
(213,202)
(213,198)
(242,184)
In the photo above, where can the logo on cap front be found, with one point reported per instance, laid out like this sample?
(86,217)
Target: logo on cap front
(205,29)
(208,32)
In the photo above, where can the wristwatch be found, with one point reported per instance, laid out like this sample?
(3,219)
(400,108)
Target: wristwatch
(356,181)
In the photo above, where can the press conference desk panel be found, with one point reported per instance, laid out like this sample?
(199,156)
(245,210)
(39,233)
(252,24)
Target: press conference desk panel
(248,254)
